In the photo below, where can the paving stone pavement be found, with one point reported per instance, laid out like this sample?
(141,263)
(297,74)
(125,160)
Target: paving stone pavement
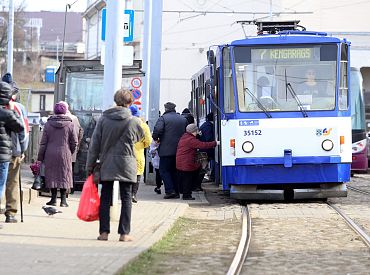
(62,244)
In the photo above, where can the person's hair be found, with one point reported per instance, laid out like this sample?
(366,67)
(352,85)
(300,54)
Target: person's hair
(123,97)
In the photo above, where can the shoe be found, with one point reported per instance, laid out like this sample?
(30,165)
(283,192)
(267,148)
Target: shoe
(171,196)
(134,199)
(52,203)
(103,237)
(157,190)
(64,204)
(188,198)
(10,219)
(125,238)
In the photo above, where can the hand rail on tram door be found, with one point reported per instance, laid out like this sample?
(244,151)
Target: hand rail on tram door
(210,84)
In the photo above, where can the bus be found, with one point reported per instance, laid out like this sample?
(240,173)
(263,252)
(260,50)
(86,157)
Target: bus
(282,113)
(359,134)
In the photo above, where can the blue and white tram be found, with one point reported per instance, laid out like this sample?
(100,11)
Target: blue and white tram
(281,111)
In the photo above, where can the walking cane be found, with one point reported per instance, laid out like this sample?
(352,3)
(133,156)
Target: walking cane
(21,194)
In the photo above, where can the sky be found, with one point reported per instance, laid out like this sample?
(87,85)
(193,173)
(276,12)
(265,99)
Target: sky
(53,5)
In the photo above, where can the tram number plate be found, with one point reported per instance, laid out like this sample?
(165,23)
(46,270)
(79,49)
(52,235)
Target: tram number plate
(252,132)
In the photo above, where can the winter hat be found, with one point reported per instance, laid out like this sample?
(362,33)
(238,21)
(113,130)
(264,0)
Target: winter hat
(191,128)
(60,109)
(5,93)
(169,106)
(134,110)
(7,78)
(186,111)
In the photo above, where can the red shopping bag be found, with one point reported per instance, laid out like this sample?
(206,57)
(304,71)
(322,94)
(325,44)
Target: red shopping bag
(88,209)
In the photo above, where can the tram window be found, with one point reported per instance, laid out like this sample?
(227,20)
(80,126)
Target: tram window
(229,100)
(343,88)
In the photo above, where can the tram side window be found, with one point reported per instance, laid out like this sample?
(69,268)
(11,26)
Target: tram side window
(343,86)
(229,100)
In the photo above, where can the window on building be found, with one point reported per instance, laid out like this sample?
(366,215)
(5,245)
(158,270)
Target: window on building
(42,102)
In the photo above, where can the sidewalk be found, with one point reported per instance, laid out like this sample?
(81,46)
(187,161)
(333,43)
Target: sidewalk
(65,245)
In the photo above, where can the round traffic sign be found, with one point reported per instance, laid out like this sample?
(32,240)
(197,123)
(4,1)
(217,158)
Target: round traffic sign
(136,94)
(138,103)
(136,82)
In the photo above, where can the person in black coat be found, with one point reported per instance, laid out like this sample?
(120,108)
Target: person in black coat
(9,122)
(167,132)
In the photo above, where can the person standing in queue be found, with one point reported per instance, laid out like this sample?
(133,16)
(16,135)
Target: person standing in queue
(9,122)
(186,163)
(139,151)
(58,143)
(19,146)
(112,144)
(167,132)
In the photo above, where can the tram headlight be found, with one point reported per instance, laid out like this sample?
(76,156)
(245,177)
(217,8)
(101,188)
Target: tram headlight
(327,145)
(247,146)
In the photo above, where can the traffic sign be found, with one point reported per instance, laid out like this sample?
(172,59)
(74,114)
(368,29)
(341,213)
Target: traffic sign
(136,82)
(128,25)
(136,94)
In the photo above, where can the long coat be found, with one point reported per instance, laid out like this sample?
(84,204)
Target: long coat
(140,146)
(58,143)
(186,152)
(113,144)
(168,130)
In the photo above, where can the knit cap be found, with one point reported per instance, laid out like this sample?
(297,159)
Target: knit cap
(191,128)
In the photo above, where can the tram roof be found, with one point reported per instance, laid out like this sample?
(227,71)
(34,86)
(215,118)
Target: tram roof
(288,37)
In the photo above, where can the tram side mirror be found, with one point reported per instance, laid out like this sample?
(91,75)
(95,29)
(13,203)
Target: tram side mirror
(211,57)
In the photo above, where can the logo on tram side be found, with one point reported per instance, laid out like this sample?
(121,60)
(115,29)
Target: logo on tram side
(250,122)
(323,132)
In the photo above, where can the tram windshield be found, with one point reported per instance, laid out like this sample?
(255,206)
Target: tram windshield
(286,78)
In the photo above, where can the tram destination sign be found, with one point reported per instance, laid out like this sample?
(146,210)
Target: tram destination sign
(275,54)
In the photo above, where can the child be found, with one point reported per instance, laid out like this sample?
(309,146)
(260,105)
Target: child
(153,151)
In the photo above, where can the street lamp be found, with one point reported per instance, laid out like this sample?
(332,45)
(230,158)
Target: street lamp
(68,6)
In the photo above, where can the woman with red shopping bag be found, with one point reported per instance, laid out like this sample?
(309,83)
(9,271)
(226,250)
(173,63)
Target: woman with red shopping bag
(112,144)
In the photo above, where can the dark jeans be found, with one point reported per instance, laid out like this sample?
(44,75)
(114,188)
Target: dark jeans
(135,185)
(124,225)
(158,179)
(167,169)
(187,179)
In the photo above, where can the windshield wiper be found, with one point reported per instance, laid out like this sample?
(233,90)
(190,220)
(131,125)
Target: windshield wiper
(259,104)
(288,87)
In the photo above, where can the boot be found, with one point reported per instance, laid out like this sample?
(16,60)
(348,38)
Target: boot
(53,201)
(63,196)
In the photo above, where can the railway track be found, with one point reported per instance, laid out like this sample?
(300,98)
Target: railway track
(245,240)
(365,238)
(358,190)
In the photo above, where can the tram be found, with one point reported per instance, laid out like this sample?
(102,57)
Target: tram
(359,134)
(282,113)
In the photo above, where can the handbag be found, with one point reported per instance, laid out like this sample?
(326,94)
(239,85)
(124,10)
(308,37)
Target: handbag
(88,207)
(202,159)
(38,183)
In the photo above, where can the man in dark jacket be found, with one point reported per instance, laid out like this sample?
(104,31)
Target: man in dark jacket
(208,135)
(167,132)
(19,146)
(9,122)
(189,117)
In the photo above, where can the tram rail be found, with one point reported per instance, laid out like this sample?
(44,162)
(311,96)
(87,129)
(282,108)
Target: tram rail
(364,236)
(355,189)
(243,247)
